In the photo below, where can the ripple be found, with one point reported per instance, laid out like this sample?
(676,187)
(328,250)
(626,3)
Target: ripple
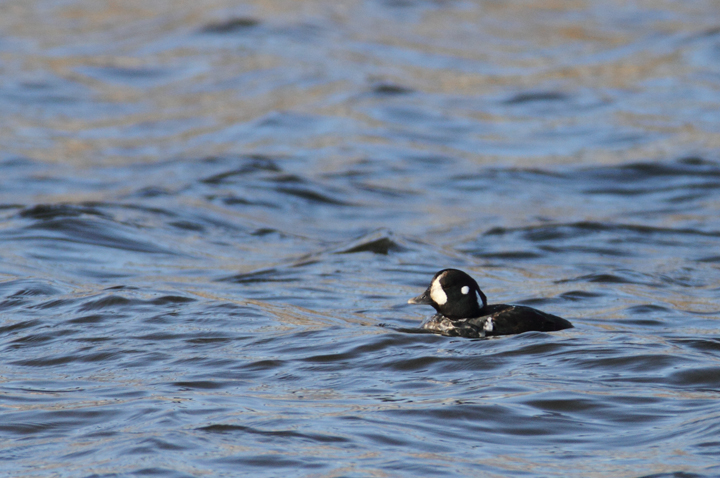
(233,25)
(212,217)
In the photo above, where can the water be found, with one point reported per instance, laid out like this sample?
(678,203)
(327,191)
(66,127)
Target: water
(213,214)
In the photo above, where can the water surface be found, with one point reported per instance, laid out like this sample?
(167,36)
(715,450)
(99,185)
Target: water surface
(212,217)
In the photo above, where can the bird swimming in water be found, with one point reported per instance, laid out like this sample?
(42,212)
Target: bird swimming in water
(462,310)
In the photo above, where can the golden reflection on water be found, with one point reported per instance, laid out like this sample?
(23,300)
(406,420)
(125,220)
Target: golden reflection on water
(151,86)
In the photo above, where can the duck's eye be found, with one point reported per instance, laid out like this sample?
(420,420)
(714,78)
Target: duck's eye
(465,289)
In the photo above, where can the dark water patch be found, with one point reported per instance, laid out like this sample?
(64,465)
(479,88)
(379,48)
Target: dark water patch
(27,288)
(141,207)
(158,444)
(153,192)
(537,96)
(553,232)
(292,123)
(581,295)
(540,345)
(683,279)
(509,255)
(172,299)
(11,303)
(53,304)
(264,365)
(11,207)
(146,76)
(233,200)
(93,340)
(386,352)
(274,434)
(709,32)
(107,302)
(155,471)
(271,461)
(54,211)
(390,89)
(267,231)
(682,168)
(201,361)
(336,358)
(644,322)
(312,196)
(88,319)
(383,245)
(160,337)
(105,356)
(640,363)
(41,338)
(710,259)
(482,420)
(386,440)
(95,233)
(430,364)
(289,179)
(648,309)
(248,165)
(49,361)
(483,179)
(48,92)
(258,179)
(676,474)
(674,182)
(122,287)
(187,226)
(53,423)
(704,345)
(200,385)
(535,301)
(685,192)
(609,251)
(420,4)
(17,326)
(160,319)
(233,25)
(210,340)
(601,278)
(267,275)
(700,378)
(566,405)
(20,162)
(383,191)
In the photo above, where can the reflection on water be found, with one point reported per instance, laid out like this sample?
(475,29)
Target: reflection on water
(213,216)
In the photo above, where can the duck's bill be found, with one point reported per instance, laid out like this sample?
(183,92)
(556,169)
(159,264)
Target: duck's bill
(423,299)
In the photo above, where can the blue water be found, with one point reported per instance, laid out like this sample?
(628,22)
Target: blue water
(212,215)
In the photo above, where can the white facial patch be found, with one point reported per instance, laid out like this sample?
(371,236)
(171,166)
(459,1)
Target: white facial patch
(465,289)
(488,327)
(437,294)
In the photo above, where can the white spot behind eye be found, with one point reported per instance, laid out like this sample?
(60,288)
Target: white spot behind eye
(437,293)
(465,289)
(488,327)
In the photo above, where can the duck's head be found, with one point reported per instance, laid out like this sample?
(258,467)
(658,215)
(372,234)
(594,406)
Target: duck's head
(453,294)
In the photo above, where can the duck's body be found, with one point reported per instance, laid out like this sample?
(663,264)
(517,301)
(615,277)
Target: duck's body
(463,310)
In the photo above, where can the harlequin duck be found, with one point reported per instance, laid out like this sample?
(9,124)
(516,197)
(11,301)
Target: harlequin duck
(462,310)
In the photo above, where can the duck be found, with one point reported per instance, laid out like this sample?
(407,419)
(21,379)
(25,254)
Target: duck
(462,310)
